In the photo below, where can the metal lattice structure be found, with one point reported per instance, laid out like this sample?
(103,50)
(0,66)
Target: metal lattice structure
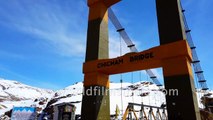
(146,112)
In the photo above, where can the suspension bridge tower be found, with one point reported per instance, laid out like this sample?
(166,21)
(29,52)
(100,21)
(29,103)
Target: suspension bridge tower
(173,55)
(177,71)
(95,105)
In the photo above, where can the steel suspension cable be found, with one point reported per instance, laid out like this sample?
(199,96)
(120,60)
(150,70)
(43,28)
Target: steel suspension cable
(129,42)
(196,62)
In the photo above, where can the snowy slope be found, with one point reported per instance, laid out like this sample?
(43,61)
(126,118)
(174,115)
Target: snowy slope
(154,97)
(13,93)
(20,90)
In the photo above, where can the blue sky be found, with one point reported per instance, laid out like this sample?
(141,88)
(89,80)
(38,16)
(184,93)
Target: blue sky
(42,42)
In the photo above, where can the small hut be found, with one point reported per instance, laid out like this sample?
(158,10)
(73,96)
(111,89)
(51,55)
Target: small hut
(64,111)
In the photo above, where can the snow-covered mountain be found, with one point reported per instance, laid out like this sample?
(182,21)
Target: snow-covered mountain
(13,93)
(13,90)
(150,95)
